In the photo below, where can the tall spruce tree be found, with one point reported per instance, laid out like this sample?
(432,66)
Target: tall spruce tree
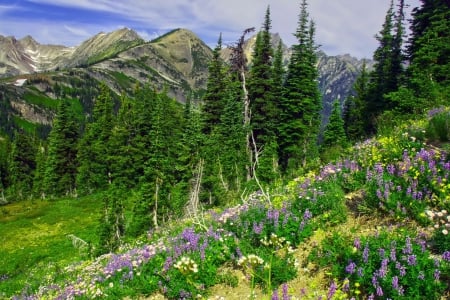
(154,203)
(39,175)
(301,104)
(61,164)
(261,86)
(22,165)
(429,55)
(355,114)
(122,154)
(93,152)
(388,68)
(5,149)
(215,88)
(334,133)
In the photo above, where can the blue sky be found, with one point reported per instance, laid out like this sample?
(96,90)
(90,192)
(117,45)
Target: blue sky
(343,26)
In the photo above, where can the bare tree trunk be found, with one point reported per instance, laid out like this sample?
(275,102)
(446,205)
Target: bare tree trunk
(192,207)
(247,127)
(155,207)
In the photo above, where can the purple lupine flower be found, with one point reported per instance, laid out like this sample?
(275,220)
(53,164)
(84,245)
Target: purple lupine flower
(366,253)
(411,259)
(395,282)
(421,275)
(238,252)
(191,237)
(379,291)
(381,252)
(391,169)
(378,167)
(357,243)
(437,274)
(383,270)
(275,295)
(422,244)
(371,297)
(374,280)
(307,215)
(401,268)
(360,272)
(350,268)
(393,254)
(168,263)
(332,290)
(408,246)
(257,228)
(379,194)
(446,256)
(285,291)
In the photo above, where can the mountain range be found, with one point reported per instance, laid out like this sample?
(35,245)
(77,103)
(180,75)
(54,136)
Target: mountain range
(33,76)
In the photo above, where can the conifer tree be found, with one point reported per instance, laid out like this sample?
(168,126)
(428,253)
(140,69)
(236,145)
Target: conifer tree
(429,55)
(39,175)
(154,203)
(93,152)
(278,74)
(355,114)
(61,164)
(388,68)
(261,86)
(112,222)
(301,104)
(122,154)
(5,149)
(22,165)
(215,89)
(334,134)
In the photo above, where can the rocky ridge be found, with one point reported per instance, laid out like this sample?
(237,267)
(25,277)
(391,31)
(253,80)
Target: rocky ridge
(177,61)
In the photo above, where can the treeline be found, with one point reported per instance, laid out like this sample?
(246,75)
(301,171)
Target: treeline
(253,127)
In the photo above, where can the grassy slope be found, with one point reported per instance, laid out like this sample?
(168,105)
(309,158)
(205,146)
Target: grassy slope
(33,236)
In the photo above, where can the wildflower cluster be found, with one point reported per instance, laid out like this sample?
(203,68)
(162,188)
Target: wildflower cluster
(250,261)
(440,225)
(186,265)
(275,241)
(440,220)
(390,264)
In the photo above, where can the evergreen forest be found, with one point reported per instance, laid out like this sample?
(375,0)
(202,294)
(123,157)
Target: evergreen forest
(242,190)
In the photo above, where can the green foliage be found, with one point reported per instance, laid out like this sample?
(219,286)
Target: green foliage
(112,224)
(263,106)
(301,104)
(61,164)
(93,173)
(213,100)
(438,128)
(22,165)
(392,264)
(41,100)
(334,134)
(354,115)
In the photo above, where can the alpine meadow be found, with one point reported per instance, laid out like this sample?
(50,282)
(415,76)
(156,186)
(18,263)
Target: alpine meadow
(169,170)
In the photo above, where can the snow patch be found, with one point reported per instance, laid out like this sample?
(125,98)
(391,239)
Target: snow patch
(20,82)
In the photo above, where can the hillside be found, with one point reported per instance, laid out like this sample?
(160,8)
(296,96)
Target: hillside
(33,76)
(373,222)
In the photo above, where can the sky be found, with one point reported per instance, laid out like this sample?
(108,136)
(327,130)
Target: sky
(342,26)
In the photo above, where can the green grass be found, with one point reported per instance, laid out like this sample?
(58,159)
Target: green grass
(34,238)
(25,125)
(40,100)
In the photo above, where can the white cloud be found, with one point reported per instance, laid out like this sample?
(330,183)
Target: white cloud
(344,26)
